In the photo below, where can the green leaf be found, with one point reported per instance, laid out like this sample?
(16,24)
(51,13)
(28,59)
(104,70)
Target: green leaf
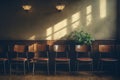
(81,37)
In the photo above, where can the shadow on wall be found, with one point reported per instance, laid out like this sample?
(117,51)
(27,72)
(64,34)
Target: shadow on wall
(96,17)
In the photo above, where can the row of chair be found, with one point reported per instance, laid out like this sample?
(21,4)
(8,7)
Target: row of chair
(37,53)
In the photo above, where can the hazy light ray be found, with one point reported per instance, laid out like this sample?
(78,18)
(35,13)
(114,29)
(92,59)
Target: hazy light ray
(49,31)
(32,37)
(60,25)
(102,8)
(89,9)
(75,25)
(89,15)
(60,34)
(75,17)
(49,37)
(89,19)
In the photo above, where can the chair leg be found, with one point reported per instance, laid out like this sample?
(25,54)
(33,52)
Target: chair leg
(77,66)
(28,66)
(98,66)
(116,67)
(55,68)
(4,67)
(10,68)
(101,67)
(17,66)
(92,66)
(48,67)
(24,68)
(69,68)
(33,68)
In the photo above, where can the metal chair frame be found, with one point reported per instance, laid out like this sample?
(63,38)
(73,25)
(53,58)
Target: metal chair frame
(109,59)
(3,59)
(17,61)
(40,48)
(83,49)
(61,49)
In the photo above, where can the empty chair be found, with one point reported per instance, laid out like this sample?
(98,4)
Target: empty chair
(107,56)
(19,60)
(41,57)
(31,55)
(3,59)
(61,55)
(83,56)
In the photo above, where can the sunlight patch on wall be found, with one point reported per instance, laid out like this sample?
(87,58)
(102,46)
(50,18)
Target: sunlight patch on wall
(60,25)
(32,37)
(58,31)
(60,34)
(49,37)
(75,17)
(89,19)
(102,8)
(75,20)
(75,25)
(89,9)
(49,31)
(89,15)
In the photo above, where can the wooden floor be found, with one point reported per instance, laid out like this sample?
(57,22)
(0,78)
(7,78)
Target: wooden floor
(62,76)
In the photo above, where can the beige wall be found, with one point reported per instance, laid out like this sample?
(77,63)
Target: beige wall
(97,17)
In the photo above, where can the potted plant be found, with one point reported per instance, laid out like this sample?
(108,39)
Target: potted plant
(81,37)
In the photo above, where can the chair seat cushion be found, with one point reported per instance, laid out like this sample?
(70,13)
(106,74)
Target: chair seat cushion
(108,59)
(3,59)
(84,59)
(62,59)
(19,59)
(41,59)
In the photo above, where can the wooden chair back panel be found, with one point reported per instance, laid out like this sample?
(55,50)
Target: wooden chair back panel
(41,47)
(19,48)
(105,48)
(59,48)
(81,48)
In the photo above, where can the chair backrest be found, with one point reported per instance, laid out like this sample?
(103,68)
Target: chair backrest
(60,50)
(20,50)
(106,50)
(82,50)
(42,47)
(39,50)
(42,50)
